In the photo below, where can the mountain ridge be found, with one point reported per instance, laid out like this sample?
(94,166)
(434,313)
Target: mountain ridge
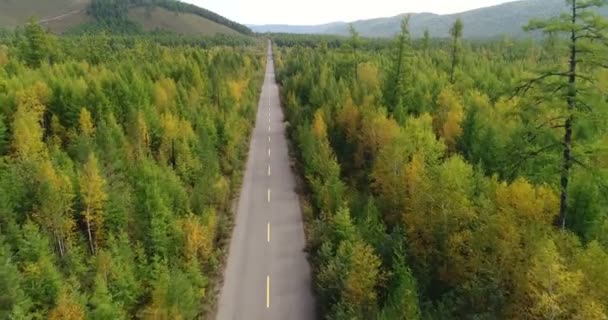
(487,22)
(61,16)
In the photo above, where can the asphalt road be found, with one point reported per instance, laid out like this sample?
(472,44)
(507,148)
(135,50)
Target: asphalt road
(267,275)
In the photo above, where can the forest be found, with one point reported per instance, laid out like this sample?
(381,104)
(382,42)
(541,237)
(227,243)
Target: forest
(119,158)
(112,14)
(453,179)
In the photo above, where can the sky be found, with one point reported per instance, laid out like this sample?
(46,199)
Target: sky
(307,12)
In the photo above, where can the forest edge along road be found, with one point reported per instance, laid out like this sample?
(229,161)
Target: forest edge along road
(267,245)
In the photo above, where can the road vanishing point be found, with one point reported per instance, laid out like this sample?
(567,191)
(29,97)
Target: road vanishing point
(267,274)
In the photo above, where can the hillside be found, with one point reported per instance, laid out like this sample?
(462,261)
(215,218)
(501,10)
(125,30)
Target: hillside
(504,19)
(60,16)
(182,23)
(16,12)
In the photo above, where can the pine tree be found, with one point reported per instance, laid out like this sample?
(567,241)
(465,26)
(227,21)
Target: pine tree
(3,136)
(456,33)
(355,42)
(93,195)
(395,82)
(27,130)
(426,40)
(36,46)
(574,83)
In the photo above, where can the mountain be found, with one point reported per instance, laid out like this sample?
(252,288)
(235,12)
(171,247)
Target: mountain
(61,16)
(503,19)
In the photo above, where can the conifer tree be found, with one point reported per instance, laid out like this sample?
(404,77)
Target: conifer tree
(93,195)
(573,82)
(456,33)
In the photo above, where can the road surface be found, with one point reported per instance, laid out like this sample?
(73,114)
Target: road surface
(267,275)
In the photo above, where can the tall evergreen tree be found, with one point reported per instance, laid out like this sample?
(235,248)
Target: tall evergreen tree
(395,86)
(355,42)
(456,33)
(586,32)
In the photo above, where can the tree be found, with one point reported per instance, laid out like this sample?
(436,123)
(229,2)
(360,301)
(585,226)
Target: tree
(36,46)
(573,83)
(402,302)
(395,86)
(449,116)
(355,42)
(456,33)
(86,126)
(3,136)
(56,197)
(554,290)
(67,307)
(27,129)
(93,196)
(101,300)
(13,301)
(426,40)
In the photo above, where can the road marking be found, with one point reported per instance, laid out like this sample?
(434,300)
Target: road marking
(268,128)
(269,152)
(268,195)
(267,292)
(268,138)
(269,170)
(268,233)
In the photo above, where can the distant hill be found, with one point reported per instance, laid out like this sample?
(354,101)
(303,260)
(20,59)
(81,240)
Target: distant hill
(61,16)
(489,22)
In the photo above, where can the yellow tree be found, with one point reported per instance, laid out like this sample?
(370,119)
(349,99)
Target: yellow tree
(93,195)
(85,122)
(54,212)
(199,237)
(553,291)
(67,308)
(319,127)
(165,92)
(170,127)
(27,130)
(364,276)
(377,130)
(449,116)
(141,136)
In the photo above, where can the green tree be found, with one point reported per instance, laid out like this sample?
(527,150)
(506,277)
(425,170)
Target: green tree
(14,303)
(3,136)
(37,45)
(355,43)
(395,82)
(103,307)
(456,33)
(572,82)
(426,40)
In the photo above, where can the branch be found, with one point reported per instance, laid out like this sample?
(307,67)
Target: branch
(523,158)
(523,89)
(549,121)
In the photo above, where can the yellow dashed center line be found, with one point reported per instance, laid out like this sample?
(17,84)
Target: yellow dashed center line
(267,292)
(268,195)
(268,233)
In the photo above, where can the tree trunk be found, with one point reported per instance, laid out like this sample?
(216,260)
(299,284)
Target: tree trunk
(454,53)
(571,98)
(91,243)
(59,246)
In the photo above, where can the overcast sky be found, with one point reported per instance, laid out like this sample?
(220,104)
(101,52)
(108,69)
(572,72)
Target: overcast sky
(322,11)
